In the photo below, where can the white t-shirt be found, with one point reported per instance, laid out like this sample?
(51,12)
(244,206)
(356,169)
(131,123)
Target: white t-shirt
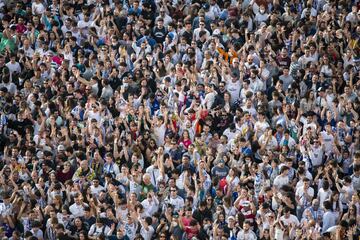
(159,133)
(250,235)
(234,90)
(300,192)
(14,67)
(323,195)
(281,181)
(96,190)
(272,143)
(147,234)
(328,140)
(316,156)
(261,127)
(177,202)
(37,8)
(292,219)
(77,210)
(150,207)
(95,231)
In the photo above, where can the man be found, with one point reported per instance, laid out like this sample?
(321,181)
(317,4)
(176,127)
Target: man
(233,86)
(174,199)
(287,140)
(150,204)
(110,166)
(355,178)
(96,187)
(163,15)
(220,170)
(154,172)
(246,233)
(316,153)
(202,212)
(283,178)
(98,229)
(330,217)
(304,195)
(315,210)
(286,78)
(84,172)
(88,218)
(146,231)
(159,31)
(186,165)
(288,218)
(77,209)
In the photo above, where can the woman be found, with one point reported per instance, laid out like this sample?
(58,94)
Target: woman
(185,139)
(57,203)
(65,173)
(150,149)
(336,203)
(232,179)
(83,235)
(351,214)
(308,102)
(227,102)
(229,209)
(220,220)
(77,228)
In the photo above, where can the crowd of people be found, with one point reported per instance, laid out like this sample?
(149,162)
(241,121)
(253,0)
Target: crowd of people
(179,119)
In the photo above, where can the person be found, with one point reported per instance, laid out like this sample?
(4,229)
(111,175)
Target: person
(329,218)
(246,232)
(99,229)
(304,195)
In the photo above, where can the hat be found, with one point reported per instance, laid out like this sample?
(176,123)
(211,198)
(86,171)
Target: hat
(61,148)
(206,6)
(4,89)
(263,24)
(223,16)
(221,161)
(321,89)
(231,218)
(216,32)
(40,154)
(171,36)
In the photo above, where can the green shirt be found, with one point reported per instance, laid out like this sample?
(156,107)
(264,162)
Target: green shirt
(4,42)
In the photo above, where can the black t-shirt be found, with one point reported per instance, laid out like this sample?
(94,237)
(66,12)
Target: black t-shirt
(159,34)
(188,36)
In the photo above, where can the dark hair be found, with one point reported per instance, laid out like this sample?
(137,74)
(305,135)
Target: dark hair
(327,205)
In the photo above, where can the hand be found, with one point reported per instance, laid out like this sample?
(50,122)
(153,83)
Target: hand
(77,73)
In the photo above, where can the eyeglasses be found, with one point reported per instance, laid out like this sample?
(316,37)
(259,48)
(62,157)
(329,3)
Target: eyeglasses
(172,190)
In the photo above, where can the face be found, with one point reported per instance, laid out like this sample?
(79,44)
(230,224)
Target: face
(173,191)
